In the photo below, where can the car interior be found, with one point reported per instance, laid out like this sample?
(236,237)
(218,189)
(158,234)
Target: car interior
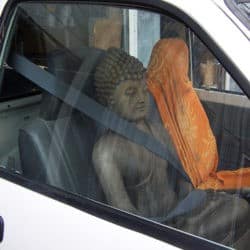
(48,141)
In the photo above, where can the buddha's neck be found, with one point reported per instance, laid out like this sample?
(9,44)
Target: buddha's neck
(143,125)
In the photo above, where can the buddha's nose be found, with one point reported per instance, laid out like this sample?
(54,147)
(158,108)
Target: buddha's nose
(141,96)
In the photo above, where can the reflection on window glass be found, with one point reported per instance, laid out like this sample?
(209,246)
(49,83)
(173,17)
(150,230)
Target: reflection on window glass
(148,142)
(208,72)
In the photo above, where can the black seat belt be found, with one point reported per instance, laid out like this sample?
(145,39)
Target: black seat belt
(92,109)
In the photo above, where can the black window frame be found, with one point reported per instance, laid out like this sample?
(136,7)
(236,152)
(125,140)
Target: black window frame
(130,221)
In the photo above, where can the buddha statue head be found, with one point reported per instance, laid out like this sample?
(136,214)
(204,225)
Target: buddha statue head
(120,85)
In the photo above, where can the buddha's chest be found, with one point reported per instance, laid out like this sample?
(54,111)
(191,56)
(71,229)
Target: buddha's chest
(139,165)
(146,181)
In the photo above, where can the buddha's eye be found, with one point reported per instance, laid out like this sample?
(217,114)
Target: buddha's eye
(130,91)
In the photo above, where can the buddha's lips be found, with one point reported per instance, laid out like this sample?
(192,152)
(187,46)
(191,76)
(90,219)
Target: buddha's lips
(140,107)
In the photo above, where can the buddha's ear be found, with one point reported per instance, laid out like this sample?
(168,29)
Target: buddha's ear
(144,76)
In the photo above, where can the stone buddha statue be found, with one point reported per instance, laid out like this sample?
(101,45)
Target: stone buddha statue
(136,180)
(138,176)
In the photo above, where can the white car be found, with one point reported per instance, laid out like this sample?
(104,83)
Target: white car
(51,193)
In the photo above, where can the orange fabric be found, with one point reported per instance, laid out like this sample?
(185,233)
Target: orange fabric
(185,119)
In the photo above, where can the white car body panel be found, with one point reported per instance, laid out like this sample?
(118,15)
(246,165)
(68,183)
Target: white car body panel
(2,3)
(222,5)
(36,222)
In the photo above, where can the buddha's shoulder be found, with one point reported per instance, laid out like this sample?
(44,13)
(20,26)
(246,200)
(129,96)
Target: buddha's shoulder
(111,138)
(110,144)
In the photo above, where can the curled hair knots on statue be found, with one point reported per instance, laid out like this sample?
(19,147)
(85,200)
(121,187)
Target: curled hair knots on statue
(115,67)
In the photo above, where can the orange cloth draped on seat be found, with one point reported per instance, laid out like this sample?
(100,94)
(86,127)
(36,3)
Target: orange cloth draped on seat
(185,119)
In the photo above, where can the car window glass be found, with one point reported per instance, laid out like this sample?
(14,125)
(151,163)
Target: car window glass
(152,75)
(207,71)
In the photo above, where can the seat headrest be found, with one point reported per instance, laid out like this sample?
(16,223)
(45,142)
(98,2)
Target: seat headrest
(75,67)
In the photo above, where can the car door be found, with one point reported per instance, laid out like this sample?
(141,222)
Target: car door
(34,221)
(50,196)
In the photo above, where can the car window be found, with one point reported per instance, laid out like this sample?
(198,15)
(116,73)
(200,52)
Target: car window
(143,119)
(208,73)
(14,86)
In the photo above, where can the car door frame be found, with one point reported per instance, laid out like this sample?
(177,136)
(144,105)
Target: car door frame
(158,231)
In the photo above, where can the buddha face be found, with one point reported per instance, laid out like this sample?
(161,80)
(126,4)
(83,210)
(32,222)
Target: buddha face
(131,100)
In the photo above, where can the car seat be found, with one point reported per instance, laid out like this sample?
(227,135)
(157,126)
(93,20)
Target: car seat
(56,148)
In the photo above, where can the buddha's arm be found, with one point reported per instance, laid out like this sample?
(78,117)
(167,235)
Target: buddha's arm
(219,214)
(184,187)
(110,177)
